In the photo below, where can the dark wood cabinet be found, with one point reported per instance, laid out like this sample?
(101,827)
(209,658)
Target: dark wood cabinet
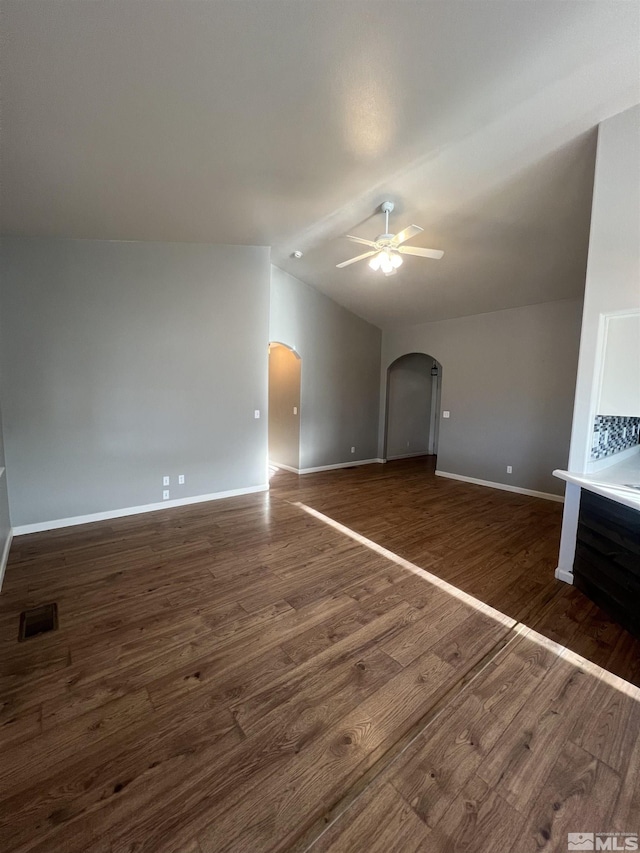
(607,562)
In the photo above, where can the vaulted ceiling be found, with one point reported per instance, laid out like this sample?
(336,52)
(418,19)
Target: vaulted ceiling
(287,122)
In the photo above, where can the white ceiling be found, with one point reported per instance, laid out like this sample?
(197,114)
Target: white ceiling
(286,122)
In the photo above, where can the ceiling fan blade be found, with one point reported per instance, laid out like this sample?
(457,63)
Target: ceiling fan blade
(421,253)
(353,260)
(409,232)
(361,240)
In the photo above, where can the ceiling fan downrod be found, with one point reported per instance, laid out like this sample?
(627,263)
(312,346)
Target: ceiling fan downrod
(387,208)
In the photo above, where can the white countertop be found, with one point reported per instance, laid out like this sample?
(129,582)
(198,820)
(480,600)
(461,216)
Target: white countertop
(614,482)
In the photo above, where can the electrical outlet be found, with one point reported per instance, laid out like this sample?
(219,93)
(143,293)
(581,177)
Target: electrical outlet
(509,469)
(295,410)
(165,495)
(181,479)
(446,414)
(353,450)
(165,481)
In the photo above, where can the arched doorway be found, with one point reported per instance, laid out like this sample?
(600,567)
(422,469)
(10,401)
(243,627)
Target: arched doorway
(413,400)
(284,407)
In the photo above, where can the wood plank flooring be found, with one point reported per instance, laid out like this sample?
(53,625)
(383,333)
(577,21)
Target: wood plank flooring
(497,546)
(261,674)
(524,754)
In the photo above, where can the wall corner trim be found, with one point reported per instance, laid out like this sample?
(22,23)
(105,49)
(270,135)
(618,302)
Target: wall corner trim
(502,486)
(4,559)
(40,526)
(563,575)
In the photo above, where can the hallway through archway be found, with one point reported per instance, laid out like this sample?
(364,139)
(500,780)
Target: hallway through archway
(413,399)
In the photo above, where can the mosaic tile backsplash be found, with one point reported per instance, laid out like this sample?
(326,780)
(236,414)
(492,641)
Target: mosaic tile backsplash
(612,434)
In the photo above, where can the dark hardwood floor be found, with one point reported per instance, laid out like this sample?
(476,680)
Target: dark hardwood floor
(367,659)
(498,546)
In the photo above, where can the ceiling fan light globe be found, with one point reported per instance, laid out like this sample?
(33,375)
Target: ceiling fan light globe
(386,266)
(375,262)
(396,260)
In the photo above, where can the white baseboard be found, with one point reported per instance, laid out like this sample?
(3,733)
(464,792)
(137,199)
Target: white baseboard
(325,467)
(40,526)
(408,456)
(339,465)
(5,557)
(284,467)
(563,575)
(502,486)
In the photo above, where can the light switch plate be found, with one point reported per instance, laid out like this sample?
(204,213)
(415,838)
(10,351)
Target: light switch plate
(446,414)
(256,414)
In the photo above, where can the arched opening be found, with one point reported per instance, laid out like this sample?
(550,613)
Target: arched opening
(284,407)
(414,384)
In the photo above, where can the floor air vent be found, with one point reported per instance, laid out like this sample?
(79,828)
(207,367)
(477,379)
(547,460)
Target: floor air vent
(38,620)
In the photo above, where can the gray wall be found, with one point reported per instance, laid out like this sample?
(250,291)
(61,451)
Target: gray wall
(284,397)
(340,372)
(508,379)
(124,362)
(409,406)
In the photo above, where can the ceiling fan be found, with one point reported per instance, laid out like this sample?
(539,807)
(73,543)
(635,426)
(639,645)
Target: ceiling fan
(386,252)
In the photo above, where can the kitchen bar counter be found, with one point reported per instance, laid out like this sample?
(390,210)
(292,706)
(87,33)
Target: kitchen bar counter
(615,482)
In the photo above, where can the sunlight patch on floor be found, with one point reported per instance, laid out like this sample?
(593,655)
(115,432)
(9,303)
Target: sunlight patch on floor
(519,629)
(411,567)
(577,660)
